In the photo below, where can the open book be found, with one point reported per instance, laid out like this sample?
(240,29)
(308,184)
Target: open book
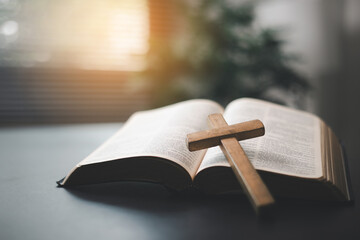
(299,156)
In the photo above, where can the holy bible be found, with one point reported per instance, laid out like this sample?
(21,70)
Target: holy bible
(299,156)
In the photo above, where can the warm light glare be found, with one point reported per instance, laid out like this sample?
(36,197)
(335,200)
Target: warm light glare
(129,30)
(122,40)
(90,34)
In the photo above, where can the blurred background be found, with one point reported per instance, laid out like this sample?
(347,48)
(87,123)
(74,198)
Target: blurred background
(77,61)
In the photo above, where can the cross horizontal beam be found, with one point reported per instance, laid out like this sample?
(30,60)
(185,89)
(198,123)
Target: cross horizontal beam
(213,137)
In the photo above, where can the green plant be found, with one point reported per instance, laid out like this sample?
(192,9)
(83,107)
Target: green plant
(217,53)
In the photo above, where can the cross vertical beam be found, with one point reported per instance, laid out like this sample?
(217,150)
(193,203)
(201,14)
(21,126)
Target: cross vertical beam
(246,174)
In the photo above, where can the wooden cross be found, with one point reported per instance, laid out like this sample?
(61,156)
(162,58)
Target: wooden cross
(228,137)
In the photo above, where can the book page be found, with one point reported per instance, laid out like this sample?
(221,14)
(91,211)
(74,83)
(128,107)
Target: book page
(159,133)
(291,144)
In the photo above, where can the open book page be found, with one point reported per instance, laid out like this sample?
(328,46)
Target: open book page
(291,144)
(159,133)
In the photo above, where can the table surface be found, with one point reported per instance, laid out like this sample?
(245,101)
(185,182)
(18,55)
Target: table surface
(32,159)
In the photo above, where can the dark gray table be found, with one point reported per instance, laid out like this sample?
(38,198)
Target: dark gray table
(32,207)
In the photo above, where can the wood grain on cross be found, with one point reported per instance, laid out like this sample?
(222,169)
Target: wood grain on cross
(228,137)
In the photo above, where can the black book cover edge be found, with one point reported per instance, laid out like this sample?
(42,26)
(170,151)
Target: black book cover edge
(347,173)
